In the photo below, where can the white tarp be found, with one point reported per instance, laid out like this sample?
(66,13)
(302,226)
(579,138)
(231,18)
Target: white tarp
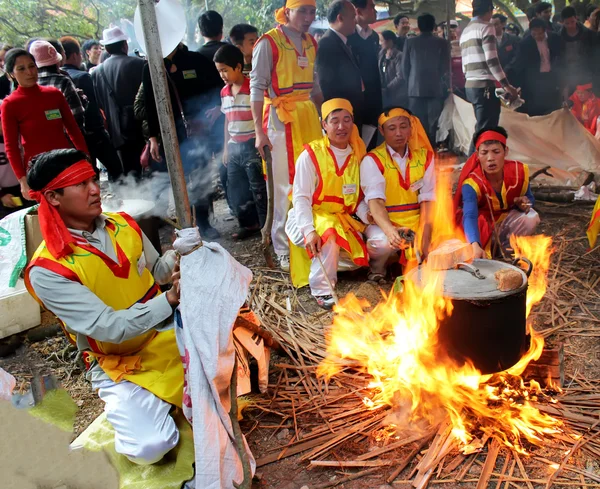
(213,288)
(557,140)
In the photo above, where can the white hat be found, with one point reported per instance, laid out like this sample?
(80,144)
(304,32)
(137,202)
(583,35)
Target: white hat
(44,54)
(170,17)
(112,35)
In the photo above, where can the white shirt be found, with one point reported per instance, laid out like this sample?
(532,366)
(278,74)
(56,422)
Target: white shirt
(372,181)
(305,184)
(340,35)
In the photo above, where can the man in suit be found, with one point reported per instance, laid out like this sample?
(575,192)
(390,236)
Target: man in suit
(337,68)
(116,83)
(537,70)
(507,44)
(425,64)
(365,46)
(402,25)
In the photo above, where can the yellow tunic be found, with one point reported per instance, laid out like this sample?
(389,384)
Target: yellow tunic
(292,80)
(150,360)
(334,201)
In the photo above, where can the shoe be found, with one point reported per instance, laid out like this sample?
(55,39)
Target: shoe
(325,301)
(209,232)
(284,262)
(245,233)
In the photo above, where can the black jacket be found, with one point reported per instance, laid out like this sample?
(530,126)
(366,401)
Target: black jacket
(425,65)
(338,73)
(527,61)
(83,80)
(116,82)
(366,52)
(507,52)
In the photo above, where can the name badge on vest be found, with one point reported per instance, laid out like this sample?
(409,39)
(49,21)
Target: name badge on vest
(418,185)
(302,61)
(189,74)
(141,264)
(52,115)
(349,189)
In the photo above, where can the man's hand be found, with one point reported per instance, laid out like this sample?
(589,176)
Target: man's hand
(173,293)
(7,201)
(225,156)
(392,234)
(523,204)
(212,115)
(512,92)
(155,150)
(478,251)
(597,135)
(313,243)
(25,188)
(261,141)
(370,218)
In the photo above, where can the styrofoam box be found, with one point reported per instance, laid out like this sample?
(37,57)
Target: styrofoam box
(18,311)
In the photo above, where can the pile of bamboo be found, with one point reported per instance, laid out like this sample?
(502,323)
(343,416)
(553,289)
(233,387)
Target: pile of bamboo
(332,427)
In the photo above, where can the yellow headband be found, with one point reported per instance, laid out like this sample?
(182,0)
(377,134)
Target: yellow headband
(418,137)
(291,4)
(335,104)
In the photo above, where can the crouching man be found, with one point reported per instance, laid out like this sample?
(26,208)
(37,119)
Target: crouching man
(99,274)
(325,195)
(493,197)
(398,182)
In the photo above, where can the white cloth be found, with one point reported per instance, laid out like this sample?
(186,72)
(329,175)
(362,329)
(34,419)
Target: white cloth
(13,256)
(379,248)
(372,180)
(213,288)
(557,140)
(305,183)
(7,384)
(144,430)
(333,259)
(364,33)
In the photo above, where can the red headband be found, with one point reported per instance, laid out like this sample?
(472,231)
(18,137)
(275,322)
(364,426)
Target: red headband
(490,136)
(55,233)
(584,88)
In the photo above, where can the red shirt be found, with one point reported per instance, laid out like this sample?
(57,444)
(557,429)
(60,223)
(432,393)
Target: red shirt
(37,117)
(238,113)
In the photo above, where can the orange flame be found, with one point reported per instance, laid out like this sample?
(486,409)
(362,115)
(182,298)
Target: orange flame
(396,345)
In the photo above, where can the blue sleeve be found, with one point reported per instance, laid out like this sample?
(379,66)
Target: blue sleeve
(529,195)
(470,214)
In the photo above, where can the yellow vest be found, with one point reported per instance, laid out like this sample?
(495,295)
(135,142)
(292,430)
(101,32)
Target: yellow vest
(150,360)
(292,80)
(334,201)
(402,191)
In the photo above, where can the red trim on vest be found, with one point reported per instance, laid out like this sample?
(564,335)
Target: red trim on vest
(405,184)
(93,345)
(131,221)
(274,79)
(429,159)
(120,269)
(287,39)
(319,189)
(403,208)
(341,171)
(342,243)
(55,267)
(377,162)
(289,146)
(152,291)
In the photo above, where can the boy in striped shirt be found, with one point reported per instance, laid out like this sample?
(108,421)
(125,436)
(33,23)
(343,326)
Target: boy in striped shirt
(246,187)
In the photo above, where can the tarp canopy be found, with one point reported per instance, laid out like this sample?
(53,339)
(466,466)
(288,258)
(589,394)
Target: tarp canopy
(557,140)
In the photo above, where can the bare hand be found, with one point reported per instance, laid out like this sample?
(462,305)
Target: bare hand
(478,251)
(173,293)
(523,204)
(313,243)
(512,92)
(212,115)
(370,218)
(25,188)
(225,157)
(394,238)
(597,135)
(7,201)
(261,141)
(155,150)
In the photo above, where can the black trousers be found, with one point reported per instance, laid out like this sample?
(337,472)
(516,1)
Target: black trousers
(486,106)
(130,154)
(428,110)
(246,185)
(101,149)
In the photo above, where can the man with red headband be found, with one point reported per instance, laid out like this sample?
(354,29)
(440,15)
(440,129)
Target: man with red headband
(586,107)
(99,274)
(398,180)
(284,96)
(493,198)
(325,195)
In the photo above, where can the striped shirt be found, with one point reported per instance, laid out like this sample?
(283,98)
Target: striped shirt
(238,113)
(480,61)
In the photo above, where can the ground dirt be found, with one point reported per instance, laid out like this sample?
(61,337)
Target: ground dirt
(53,355)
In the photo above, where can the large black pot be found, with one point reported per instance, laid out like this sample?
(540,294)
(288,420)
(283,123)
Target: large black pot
(487,326)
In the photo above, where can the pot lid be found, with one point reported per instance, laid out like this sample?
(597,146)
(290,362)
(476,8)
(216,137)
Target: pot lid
(462,283)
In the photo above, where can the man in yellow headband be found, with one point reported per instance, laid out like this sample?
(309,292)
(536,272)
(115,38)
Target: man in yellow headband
(284,97)
(398,182)
(326,193)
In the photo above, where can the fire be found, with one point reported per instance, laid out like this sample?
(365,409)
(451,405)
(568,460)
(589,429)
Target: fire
(396,345)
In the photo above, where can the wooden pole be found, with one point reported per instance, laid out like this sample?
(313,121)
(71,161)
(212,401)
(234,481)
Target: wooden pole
(165,112)
(449,4)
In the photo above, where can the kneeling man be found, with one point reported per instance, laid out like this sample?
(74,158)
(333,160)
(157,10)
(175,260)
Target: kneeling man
(99,274)
(398,181)
(325,195)
(494,197)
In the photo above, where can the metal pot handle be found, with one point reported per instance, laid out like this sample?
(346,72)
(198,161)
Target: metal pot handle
(467,267)
(526,261)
